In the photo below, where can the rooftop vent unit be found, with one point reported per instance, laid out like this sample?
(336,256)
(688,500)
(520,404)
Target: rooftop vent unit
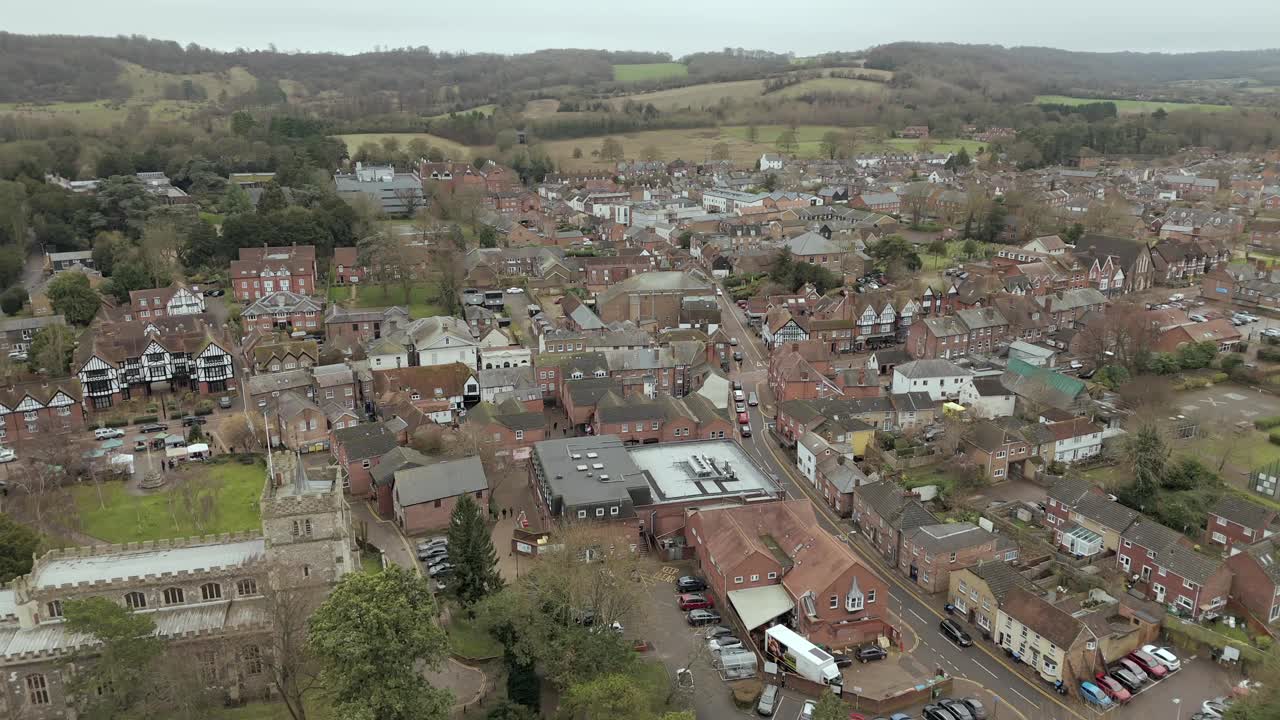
(604,478)
(582,468)
(699,466)
(597,466)
(576,456)
(593,455)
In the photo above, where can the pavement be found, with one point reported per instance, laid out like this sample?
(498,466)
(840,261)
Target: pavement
(384,535)
(983,665)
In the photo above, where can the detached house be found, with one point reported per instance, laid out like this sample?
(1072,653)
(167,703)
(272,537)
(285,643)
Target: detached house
(283,310)
(177,299)
(940,379)
(262,271)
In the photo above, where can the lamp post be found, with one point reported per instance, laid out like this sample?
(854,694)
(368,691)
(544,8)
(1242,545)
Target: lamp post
(1178,702)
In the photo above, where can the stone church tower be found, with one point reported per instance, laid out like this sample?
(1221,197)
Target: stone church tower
(306,525)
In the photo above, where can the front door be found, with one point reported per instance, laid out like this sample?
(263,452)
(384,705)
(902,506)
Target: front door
(1159,592)
(1146,573)
(1126,563)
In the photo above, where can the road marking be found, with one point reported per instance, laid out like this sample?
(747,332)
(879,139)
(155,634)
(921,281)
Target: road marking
(1024,697)
(987,670)
(913,612)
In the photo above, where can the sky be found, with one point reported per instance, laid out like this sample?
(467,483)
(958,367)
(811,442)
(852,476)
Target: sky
(804,27)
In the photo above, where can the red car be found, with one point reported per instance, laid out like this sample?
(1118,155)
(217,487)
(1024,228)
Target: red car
(1112,688)
(744,419)
(1149,664)
(694,601)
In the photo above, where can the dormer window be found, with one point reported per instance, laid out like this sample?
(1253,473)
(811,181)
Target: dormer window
(854,600)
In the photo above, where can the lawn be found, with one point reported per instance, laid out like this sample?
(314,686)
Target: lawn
(648,71)
(232,490)
(422,296)
(453,150)
(468,640)
(1131,107)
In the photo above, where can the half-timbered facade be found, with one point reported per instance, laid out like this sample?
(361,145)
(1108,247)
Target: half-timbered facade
(119,362)
(38,409)
(177,299)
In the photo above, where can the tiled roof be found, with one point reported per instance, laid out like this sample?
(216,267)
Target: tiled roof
(1055,624)
(1106,512)
(1242,511)
(1153,536)
(1000,577)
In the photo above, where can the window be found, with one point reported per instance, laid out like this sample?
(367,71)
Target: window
(1186,602)
(613,510)
(135,600)
(871,596)
(247,586)
(582,513)
(655,425)
(951,557)
(1000,454)
(624,427)
(174,596)
(755,578)
(737,580)
(364,463)
(37,689)
(302,527)
(774,576)
(55,608)
(835,602)
(998,473)
(211,591)
(251,658)
(854,603)
(519,434)
(599,512)
(963,588)
(208,666)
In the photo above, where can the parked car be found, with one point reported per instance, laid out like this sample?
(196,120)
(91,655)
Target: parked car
(744,418)
(1272,332)
(768,701)
(1164,655)
(690,583)
(214,292)
(955,633)
(737,384)
(153,427)
(745,430)
(1217,707)
(806,712)
(1197,317)
(869,653)
(694,601)
(433,555)
(442,568)
(842,660)
(737,355)
(958,710)
(733,341)
(726,642)
(703,617)
(716,631)
(107,433)
(1149,664)
(190,420)
(976,707)
(900,716)
(740,408)
(7,455)
(935,712)
(1133,669)
(1113,688)
(140,446)
(1126,678)
(18,355)
(1094,695)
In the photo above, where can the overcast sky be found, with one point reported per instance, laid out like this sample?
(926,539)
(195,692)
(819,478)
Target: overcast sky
(676,26)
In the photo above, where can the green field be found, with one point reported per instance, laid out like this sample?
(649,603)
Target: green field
(121,517)
(453,150)
(696,96)
(846,86)
(648,71)
(1132,107)
(101,114)
(422,296)
(149,84)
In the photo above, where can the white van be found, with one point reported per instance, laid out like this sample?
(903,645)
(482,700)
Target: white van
(107,433)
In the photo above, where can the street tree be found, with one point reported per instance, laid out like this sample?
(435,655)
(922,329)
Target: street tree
(72,297)
(372,637)
(475,562)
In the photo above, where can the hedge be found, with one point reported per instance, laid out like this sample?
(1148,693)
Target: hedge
(1269,354)
(143,419)
(1218,377)
(118,422)
(1274,436)
(1267,423)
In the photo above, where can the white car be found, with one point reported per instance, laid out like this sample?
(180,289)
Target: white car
(1164,655)
(7,455)
(1176,297)
(18,355)
(1197,317)
(1271,332)
(806,713)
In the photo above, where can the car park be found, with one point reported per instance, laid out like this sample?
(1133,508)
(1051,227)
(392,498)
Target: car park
(1112,687)
(1151,666)
(953,632)
(1094,695)
(702,617)
(725,642)
(690,583)
(1164,655)
(768,701)
(694,601)
(870,653)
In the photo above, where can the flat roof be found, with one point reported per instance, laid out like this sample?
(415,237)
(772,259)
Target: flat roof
(679,472)
(101,568)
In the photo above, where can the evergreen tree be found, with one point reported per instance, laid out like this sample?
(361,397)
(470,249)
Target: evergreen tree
(1147,453)
(968,227)
(475,563)
(235,200)
(830,707)
(272,199)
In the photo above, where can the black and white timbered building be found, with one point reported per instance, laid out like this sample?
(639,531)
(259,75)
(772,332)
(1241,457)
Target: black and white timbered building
(128,360)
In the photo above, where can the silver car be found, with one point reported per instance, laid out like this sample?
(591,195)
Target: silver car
(768,701)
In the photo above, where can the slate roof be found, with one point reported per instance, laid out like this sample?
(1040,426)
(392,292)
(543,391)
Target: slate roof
(1069,490)
(1001,577)
(1055,624)
(948,537)
(990,387)
(812,243)
(1188,564)
(1241,511)
(890,501)
(1267,554)
(1151,535)
(930,369)
(369,440)
(398,459)
(1106,512)
(441,480)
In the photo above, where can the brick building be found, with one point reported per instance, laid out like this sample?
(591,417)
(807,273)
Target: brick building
(261,271)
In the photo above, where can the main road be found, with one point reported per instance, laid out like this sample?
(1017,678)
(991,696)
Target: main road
(984,663)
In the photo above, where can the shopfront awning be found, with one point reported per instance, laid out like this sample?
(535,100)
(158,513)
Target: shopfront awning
(757,606)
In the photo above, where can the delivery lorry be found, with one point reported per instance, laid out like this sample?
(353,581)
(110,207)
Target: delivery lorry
(800,656)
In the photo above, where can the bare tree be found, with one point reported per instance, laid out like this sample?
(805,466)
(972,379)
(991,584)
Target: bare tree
(287,659)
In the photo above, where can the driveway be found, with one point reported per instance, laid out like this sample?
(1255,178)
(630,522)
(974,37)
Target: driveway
(384,535)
